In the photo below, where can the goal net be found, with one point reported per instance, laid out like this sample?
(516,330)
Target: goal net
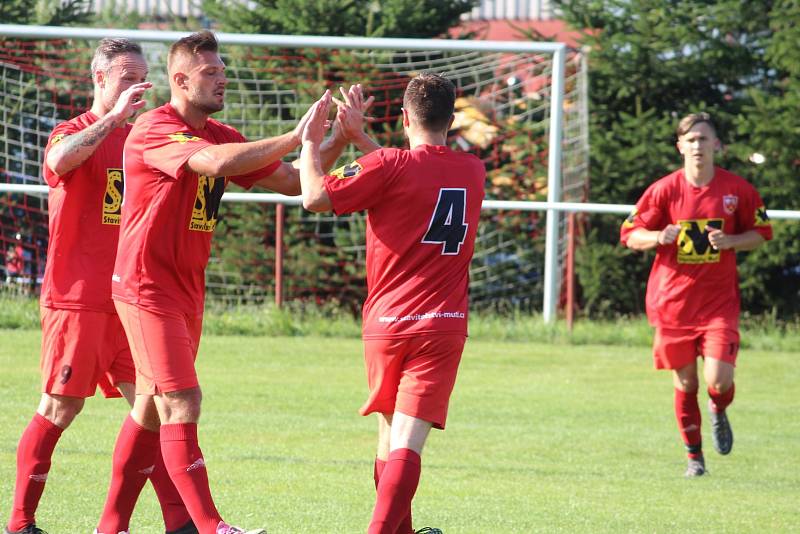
(502,115)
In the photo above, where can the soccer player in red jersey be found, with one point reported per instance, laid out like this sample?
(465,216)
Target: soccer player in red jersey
(83,344)
(697,218)
(178,161)
(423,206)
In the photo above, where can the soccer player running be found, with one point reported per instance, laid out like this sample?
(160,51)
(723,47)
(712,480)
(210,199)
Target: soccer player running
(423,206)
(83,344)
(178,161)
(697,218)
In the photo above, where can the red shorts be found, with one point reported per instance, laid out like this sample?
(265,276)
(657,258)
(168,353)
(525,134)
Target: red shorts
(81,350)
(414,376)
(164,346)
(674,348)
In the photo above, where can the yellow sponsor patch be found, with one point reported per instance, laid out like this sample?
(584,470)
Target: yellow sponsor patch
(206,203)
(693,244)
(761,217)
(57,139)
(628,223)
(112,200)
(183,137)
(347,171)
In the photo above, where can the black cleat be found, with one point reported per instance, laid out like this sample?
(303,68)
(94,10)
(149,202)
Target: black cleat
(30,529)
(721,433)
(428,530)
(696,467)
(188,528)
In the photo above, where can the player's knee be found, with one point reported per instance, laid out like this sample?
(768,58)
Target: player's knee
(182,406)
(60,410)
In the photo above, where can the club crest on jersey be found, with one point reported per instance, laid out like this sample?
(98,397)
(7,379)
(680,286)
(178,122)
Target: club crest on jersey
(206,203)
(347,171)
(183,137)
(112,200)
(57,139)
(729,203)
(693,244)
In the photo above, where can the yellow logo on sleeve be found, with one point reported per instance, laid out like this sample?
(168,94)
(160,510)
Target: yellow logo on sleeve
(347,171)
(761,217)
(183,137)
(628,223)
(112,201)
(693,244)
(57,139)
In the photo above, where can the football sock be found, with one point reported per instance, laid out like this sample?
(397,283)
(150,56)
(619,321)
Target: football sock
(396,487)
(406,524)
(720,401)
(34,454)
(687,412)
(133,461)
(172,508)
(187,469)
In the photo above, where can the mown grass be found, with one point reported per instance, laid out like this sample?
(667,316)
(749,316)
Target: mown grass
(541,438)
(763,332)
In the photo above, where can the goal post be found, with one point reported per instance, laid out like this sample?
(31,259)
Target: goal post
(516,100)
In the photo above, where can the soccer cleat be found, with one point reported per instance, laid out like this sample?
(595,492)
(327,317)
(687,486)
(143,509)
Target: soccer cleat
(721,433)
(120,532)
(30,529)
(224,528)
(696,467)
(428,530)
(188,528)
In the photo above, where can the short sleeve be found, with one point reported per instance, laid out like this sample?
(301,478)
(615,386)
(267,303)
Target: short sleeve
(168,146)
(648,214)
(752,215)
(359,185)
(56,136)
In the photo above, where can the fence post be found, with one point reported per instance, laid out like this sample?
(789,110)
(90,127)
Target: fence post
(279,209)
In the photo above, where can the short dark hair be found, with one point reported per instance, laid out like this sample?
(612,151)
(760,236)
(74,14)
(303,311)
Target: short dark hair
(690,120)
(202,41)
(109,48)
(430,98)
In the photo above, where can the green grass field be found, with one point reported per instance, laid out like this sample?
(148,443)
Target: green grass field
(541,438)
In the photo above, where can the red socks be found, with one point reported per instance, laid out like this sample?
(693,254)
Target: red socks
(34,453)
(172,508)
(396,487)
(687,412)
(720,401)
(405,525)
(137,457)
(187,469)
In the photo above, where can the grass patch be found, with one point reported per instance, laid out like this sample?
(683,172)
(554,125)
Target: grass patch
(541,438)
(761,332)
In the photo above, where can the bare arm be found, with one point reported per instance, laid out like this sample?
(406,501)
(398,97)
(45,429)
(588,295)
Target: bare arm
(315,196)
(748,240)
(642,239)
(74,149)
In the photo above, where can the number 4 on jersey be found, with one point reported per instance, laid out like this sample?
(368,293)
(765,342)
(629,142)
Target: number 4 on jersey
(447,223)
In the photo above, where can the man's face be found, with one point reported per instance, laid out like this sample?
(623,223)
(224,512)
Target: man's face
(206,82)
(698,145)
(123,71)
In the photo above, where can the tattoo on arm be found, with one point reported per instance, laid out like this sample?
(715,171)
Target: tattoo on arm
(89,137)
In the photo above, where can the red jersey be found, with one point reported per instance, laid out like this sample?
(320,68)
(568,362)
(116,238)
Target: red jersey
(691,283)
(422,208)
(170,212)
(84,211)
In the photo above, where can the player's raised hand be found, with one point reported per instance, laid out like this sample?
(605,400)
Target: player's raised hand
(129,101)
(315,125)
(352,110)
(301,125)
(669,234)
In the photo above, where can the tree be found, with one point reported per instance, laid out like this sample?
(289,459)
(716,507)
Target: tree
(371,18)
(46,12)
(653,61)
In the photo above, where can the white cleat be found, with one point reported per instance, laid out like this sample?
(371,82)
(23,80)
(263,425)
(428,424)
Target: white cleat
(224,528)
